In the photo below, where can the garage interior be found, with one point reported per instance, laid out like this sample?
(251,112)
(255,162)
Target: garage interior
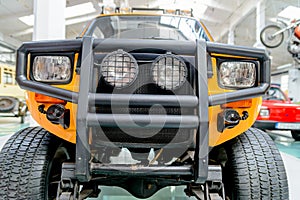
(236,22)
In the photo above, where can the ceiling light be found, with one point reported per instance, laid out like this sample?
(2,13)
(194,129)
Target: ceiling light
(70,12)
(290,12)
(28,20)
(284,66)
(199,9)
(78,10)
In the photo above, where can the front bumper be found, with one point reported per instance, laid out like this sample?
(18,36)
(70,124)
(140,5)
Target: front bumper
(264,124)
(275,125)
(86,99)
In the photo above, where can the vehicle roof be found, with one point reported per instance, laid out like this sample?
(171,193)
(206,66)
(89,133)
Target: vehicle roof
(144,14)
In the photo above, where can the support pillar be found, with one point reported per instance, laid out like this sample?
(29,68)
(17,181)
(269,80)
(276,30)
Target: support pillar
(231,36)
(49,19)
(260,21)
(294,82)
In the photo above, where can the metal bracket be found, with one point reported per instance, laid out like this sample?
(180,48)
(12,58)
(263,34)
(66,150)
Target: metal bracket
(69,188)
(212,189)
(202,192)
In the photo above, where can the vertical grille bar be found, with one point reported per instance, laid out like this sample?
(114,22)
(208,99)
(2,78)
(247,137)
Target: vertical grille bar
(86,81)
(201,154)
(173,73)
(165,59)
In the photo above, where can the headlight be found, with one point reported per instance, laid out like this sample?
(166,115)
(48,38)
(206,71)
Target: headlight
(51,68)
(169,72)
(119,69)
(264,112)
(237,74)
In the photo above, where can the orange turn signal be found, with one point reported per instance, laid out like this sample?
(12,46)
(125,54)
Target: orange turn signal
(40,98)
(238,104)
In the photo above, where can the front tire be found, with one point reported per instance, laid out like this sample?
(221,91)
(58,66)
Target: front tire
(268,38)
(296,135)
(30,165)
(254,169)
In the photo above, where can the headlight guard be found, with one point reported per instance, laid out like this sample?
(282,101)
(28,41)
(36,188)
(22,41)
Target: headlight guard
(119,69)
(169,71)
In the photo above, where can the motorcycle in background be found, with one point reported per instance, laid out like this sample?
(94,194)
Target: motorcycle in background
(272,36)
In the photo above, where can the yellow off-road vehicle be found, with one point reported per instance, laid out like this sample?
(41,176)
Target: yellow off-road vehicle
(142,82)
(12,97)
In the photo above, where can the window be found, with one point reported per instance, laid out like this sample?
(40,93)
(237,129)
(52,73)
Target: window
(7,78)
(147,27)
(98,33)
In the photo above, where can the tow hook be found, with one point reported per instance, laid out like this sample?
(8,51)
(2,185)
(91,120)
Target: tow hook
(57,114)
(229,118)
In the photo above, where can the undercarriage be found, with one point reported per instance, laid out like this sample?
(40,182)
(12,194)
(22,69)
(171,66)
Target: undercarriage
(144,182)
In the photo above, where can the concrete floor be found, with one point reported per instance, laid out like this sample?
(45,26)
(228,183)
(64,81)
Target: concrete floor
(290,151)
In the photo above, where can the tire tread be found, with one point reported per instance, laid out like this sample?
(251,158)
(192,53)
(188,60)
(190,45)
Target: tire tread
(23,164)
(257,167)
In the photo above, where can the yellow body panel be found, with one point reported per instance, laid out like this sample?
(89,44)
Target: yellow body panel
(66,134)
(215,137)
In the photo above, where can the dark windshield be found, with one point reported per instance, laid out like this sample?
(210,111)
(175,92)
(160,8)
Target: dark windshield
(147,27)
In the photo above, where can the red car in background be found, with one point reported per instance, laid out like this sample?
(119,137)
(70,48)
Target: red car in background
(279,113)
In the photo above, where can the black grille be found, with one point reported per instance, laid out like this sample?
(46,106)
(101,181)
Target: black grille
(164,136)
(144,84)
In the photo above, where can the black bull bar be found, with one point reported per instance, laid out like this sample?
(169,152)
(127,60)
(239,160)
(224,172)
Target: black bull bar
(85,98)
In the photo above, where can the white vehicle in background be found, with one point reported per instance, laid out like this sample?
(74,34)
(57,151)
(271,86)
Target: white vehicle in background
(12,97)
